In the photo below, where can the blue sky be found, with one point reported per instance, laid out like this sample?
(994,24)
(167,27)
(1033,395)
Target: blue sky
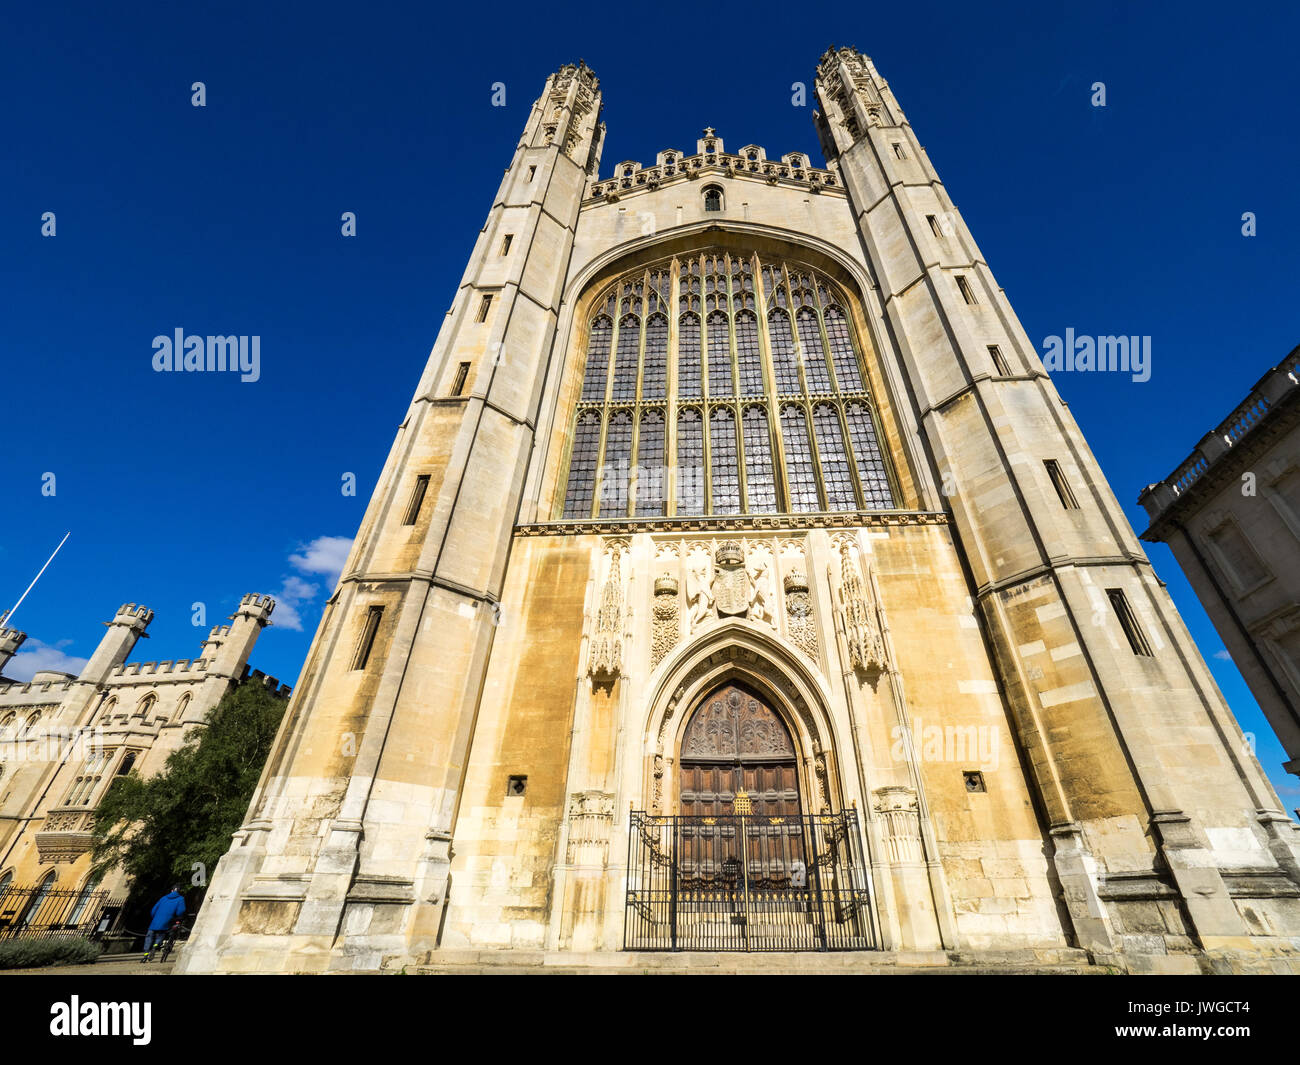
(225,219)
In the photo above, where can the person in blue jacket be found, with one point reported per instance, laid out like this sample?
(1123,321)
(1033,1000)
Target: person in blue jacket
(166,910)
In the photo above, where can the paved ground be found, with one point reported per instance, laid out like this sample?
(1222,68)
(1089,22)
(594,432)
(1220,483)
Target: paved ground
(117,965)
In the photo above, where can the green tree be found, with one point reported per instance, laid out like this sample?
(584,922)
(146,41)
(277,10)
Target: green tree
(164,829)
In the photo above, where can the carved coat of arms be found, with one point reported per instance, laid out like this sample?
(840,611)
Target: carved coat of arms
(730,581)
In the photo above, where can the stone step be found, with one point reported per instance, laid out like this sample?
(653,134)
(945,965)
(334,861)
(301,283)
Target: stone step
(1045,961)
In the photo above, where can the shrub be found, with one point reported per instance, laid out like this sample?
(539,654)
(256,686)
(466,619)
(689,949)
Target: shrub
(33,953)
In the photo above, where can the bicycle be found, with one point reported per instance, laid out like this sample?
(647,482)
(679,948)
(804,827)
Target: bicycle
(163,945)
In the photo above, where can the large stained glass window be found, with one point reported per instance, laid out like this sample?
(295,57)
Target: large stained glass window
(753,400)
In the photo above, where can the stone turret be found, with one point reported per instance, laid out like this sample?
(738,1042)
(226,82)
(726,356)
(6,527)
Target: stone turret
(10,641)
(227,647)
(127,626)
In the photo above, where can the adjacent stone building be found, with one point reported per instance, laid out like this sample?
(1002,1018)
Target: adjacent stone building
(738,581)
(64,738)
(1230,513)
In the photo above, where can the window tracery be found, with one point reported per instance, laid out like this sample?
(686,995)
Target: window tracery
(753,400)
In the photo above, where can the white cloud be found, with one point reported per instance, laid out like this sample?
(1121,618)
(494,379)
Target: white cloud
(326,556)
(1223,656)
(36,656)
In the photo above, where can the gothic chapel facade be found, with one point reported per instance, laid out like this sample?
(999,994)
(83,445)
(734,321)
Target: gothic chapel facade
(738,581)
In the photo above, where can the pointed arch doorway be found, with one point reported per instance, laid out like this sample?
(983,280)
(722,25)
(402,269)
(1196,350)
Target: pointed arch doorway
(740,866)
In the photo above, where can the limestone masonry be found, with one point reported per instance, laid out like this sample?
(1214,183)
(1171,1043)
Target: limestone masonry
(738,581)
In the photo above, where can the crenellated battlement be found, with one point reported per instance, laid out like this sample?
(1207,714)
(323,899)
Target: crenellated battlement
(711,158)
(132,613)
(180,665)
(271,684)
(258,600)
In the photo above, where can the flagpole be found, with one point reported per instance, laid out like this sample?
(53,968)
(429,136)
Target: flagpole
(4,618)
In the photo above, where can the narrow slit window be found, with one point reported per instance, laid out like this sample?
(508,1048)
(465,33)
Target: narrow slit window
(368,633)
(484,307)
(967,293)
(898,151)
(532,170)
(1061,485)
(505,244)
(999,361)
(935,227)
(417,499)
(462,375)
(1128,622)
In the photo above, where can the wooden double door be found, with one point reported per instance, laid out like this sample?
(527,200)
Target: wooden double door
(736,743)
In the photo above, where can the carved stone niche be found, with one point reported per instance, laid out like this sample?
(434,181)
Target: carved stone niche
(896,804)
(591,815)
(605,657)
(858,613)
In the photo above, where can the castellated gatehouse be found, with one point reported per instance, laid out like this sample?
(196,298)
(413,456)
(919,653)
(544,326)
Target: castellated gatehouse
(65,738)
(730,477)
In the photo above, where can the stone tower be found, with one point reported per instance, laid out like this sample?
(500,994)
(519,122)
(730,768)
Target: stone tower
(735,504)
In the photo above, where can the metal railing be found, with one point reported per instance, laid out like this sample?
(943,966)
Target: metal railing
(747,882)
(39,912)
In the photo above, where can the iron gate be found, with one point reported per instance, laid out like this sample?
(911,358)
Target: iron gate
(747,882)
(39,912)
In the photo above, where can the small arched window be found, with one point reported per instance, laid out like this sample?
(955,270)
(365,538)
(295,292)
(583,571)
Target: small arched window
(37,901)
(146,704)
(713,198)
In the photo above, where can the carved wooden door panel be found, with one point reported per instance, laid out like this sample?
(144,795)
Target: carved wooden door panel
(735,741)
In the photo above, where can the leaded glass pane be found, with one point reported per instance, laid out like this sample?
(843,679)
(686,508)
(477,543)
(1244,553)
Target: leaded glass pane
(785,364)
(593,377)
(847,375)
(690,462)
(651,472)
(837,478)
(814,358)
(582,466)
(689,375)
(876,492)
(800,473)
(726,474)
(629,342)
(721,382)
(618,466)
(747,357)
(760,479)
(654,370)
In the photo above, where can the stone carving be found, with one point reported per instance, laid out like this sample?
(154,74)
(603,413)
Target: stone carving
(821,773)
(731,724)
(699,585)
(605,659)
(857,609)
(665,619)
(798,611)
(762,593)
(898,809)
(657,796)
(591,813)
(730,582)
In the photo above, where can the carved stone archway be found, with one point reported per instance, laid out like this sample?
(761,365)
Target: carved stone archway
(749,655)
